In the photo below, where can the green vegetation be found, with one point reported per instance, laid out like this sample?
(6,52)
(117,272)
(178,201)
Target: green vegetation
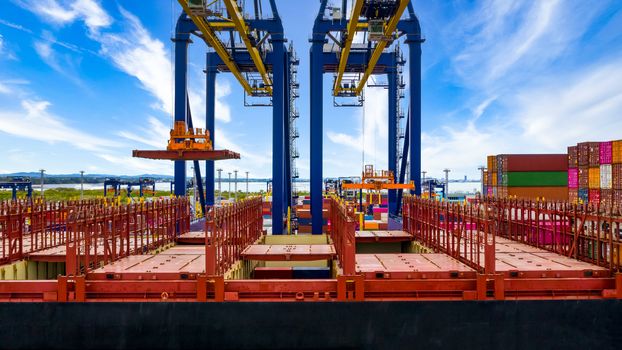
(64,194)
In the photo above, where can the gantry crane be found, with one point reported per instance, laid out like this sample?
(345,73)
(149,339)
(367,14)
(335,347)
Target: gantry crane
(333,50)
(252,48)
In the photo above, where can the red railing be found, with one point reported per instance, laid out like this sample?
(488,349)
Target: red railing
(229,230)
(98,235)
(583,232)
(462,231)
(342,232)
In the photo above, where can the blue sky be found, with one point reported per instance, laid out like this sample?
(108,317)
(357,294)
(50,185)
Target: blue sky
(83,82)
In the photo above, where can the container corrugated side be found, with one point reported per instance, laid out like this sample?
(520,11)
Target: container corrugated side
(594,154)
(606,155)
(573,178)
(606,198)
(534,162)
(573,195)
(594,178)
(605,177)
(584,195)
(535,178)
(616,151)
(617,198)
(616,176)
(548,193)
(573,159)
(584,177)
(583,151)
(594,196)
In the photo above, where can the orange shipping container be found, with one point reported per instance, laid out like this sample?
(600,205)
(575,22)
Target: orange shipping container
(494,179)
(548,193)
(491,163)
(617,152)
(594,178)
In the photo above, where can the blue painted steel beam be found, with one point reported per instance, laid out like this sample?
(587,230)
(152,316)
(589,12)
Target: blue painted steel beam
(210,121)
(182,40)
(403,164)
(287,200)
(392,139)
(316,127)
(414,63)
(278,133)
(197,165)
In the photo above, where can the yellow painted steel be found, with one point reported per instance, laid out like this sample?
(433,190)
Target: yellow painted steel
(388,31)
(345,52)
(212,40)
(240,25)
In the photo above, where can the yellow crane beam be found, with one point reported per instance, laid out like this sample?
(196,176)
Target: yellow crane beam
(243,29)
(212,40)
(388,31)
(345,51)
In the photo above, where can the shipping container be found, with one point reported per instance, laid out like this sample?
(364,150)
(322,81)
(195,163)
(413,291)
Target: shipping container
(584,177)
(535,179)
(594,178)
(616,176)
(491,160)
(495,182)
(573,178)
(573,195)
(594,196)
(548,193)
(583,153)
(616,151)
(594,154)
(490,191)
(606,198)
(605,177)
(534,162)
(584,195)
(606,155)
(502,192)
(573,160)
(273,273)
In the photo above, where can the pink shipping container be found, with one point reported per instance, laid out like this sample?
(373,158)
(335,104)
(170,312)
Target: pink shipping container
(550,233)
(606,152)
(490,192)
(573,178)
(380,210)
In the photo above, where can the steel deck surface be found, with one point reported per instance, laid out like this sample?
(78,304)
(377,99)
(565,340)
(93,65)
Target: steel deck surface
(382,236)
(58,254)
(283,252)
(192,237)
(411,266)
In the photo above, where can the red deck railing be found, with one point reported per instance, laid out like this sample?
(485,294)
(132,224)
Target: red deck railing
(342,232)
(228,231)
(102,234)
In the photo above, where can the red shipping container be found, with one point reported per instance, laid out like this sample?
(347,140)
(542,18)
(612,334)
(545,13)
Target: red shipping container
(573,160)
(616,175)
(583,154)
(584,177)
(606,198)
(606,152)
(594,196)
(533,162)
(573,178)
(573,196)
(594,154)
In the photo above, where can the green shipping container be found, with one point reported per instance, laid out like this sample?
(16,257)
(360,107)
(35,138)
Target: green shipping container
(535,179)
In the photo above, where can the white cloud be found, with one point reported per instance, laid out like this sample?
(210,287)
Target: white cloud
(89,11)
(34,121)
(155,135)
(64,64)
(138,54)
(131,165)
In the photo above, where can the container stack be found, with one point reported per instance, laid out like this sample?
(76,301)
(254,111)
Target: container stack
(595,171)
(528,176)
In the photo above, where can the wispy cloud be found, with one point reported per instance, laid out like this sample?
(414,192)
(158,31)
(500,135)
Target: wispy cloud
(51,11)
(66,65)
(34,121)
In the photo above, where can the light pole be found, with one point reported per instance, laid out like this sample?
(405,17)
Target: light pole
(446,183)
(229,196)
(42,171)
(219,191)
(481,169)
(235,191)
(247,183)
(423,181)
(81,184)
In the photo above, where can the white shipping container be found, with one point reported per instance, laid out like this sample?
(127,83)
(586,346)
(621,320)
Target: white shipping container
(606,180)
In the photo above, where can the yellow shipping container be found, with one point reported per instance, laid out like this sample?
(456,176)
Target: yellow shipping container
(491,163)
(594,178)
(617,152)
(494,179)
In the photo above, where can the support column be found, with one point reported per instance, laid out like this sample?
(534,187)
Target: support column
(278,133)
(210,113)
(414,80)
(316,117)
(392,147)
(287,200)
(181,71)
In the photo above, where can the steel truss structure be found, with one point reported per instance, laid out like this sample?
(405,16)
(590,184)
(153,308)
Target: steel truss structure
(344,57)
